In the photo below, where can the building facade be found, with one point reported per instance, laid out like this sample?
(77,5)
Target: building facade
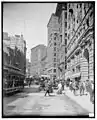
(76,40)
(28,67)
(52,47)
(37,54)
(16,49)
(61,13)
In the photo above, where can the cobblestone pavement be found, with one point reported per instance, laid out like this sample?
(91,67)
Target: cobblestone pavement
(38,104)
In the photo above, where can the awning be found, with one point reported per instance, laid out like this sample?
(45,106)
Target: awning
(76,75)
(45,76)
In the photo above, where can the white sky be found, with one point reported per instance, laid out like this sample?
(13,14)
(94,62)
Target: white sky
(30,19)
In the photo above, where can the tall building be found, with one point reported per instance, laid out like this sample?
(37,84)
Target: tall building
(61,13)
(76,40)
(52,47)
(37,54)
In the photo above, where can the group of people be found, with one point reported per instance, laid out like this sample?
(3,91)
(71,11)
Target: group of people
(84,88)
(49,87)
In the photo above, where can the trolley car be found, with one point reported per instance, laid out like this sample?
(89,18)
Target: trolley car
(13,79)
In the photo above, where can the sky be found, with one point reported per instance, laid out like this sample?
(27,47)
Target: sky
(30,19)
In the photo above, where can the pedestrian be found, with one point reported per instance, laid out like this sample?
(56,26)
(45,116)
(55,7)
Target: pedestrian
(59,88)
(47,88)
(89,89)
(71,86)
(62,84)
(82,88)
(74,87)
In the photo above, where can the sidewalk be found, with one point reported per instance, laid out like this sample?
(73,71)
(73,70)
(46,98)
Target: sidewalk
(83,101)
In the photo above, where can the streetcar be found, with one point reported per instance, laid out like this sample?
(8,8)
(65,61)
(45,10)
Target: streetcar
(13,79)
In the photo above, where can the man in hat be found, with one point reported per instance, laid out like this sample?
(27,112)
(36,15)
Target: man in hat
(47,88)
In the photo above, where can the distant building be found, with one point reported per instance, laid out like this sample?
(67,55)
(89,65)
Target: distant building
(37,54)
(44,65)
(53,47)
(28,67)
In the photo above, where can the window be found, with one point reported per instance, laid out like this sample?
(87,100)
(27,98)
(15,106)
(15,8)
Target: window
(69,5)
(80,5)
(54,64)
(65,41)
(55,34)
(65,66)
(54,59)
(65,50)
(54,44)
(61,38)
(77,5)
(65,34)
(54,70)
(54,38)
(66,24)
(73,70)
(77,21)
(65,58)
(87,21)
(54,48)
(65,15)
(54,54)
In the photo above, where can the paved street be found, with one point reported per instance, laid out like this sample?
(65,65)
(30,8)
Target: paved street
(28,103)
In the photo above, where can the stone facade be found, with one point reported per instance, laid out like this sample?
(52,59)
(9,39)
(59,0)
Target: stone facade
(52,48)
(76,40)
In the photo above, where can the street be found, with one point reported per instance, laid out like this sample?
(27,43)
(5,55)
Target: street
(29,103)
